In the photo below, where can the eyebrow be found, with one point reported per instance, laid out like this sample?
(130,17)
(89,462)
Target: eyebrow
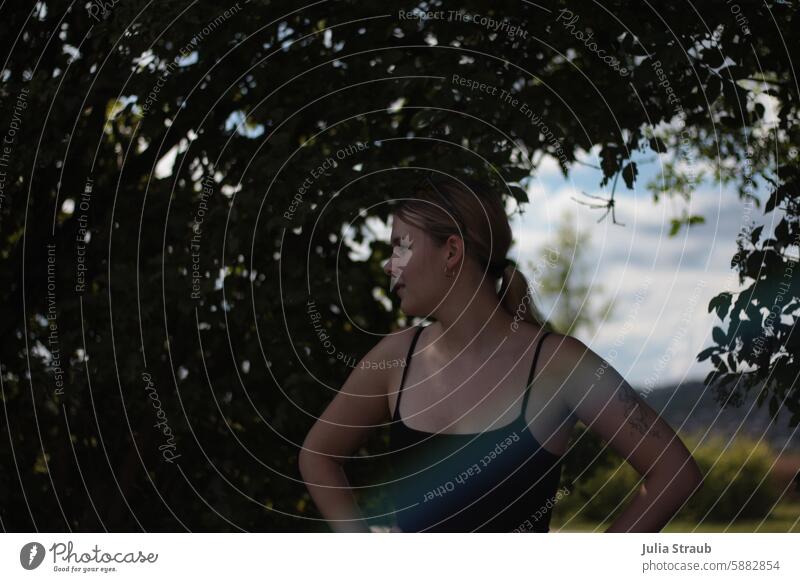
(395,240)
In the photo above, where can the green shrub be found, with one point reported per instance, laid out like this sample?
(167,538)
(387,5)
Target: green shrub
(736,485)
(743,469)
(596,497)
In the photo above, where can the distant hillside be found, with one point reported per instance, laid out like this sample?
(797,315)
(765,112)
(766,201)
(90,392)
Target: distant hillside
(691,408)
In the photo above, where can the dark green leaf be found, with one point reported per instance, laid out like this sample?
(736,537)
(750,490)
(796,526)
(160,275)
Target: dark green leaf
(706,353)
(721,303)
(629,173)
(658,145)
(754,236)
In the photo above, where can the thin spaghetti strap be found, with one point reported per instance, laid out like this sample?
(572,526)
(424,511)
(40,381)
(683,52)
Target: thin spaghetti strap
(530,376)
(405,370)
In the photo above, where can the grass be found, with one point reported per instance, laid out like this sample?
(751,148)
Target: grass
(784,519)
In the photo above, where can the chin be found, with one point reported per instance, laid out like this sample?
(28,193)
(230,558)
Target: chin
(408,307)
(414,309)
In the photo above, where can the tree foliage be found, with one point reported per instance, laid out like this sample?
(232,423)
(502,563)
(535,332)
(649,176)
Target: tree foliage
(162,147)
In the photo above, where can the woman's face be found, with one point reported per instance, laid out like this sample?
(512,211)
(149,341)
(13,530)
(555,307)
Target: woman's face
(416,269)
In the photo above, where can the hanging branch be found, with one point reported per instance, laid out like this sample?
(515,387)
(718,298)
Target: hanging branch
(607,203)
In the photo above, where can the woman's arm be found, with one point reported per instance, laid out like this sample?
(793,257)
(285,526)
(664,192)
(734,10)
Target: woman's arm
(359,407)
(598,395)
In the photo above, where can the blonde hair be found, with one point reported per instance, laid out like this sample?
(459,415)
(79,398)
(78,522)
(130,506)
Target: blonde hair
(466,208)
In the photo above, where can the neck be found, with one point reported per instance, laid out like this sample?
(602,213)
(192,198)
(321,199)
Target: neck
(471,320)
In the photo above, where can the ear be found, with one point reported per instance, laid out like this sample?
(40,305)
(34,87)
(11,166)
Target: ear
(454,251)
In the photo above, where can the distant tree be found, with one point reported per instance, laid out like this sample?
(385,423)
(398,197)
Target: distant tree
(564,281)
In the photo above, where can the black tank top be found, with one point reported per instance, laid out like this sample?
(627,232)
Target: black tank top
(501,480)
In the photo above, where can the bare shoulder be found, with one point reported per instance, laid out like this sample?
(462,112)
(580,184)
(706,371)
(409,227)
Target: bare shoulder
(392,347)
(390,353)
(387,357)
(564,361)
(360,405)
(559,349)
(571,351)
(568,356)
(575,369)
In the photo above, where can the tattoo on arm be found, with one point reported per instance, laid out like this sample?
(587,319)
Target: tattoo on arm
(638,416)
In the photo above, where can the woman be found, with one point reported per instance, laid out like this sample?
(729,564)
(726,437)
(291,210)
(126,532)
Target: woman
(481,420)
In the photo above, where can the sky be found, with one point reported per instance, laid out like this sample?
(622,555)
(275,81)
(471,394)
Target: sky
(661,285)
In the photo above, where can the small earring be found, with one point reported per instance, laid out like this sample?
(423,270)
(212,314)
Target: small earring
(446,274)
